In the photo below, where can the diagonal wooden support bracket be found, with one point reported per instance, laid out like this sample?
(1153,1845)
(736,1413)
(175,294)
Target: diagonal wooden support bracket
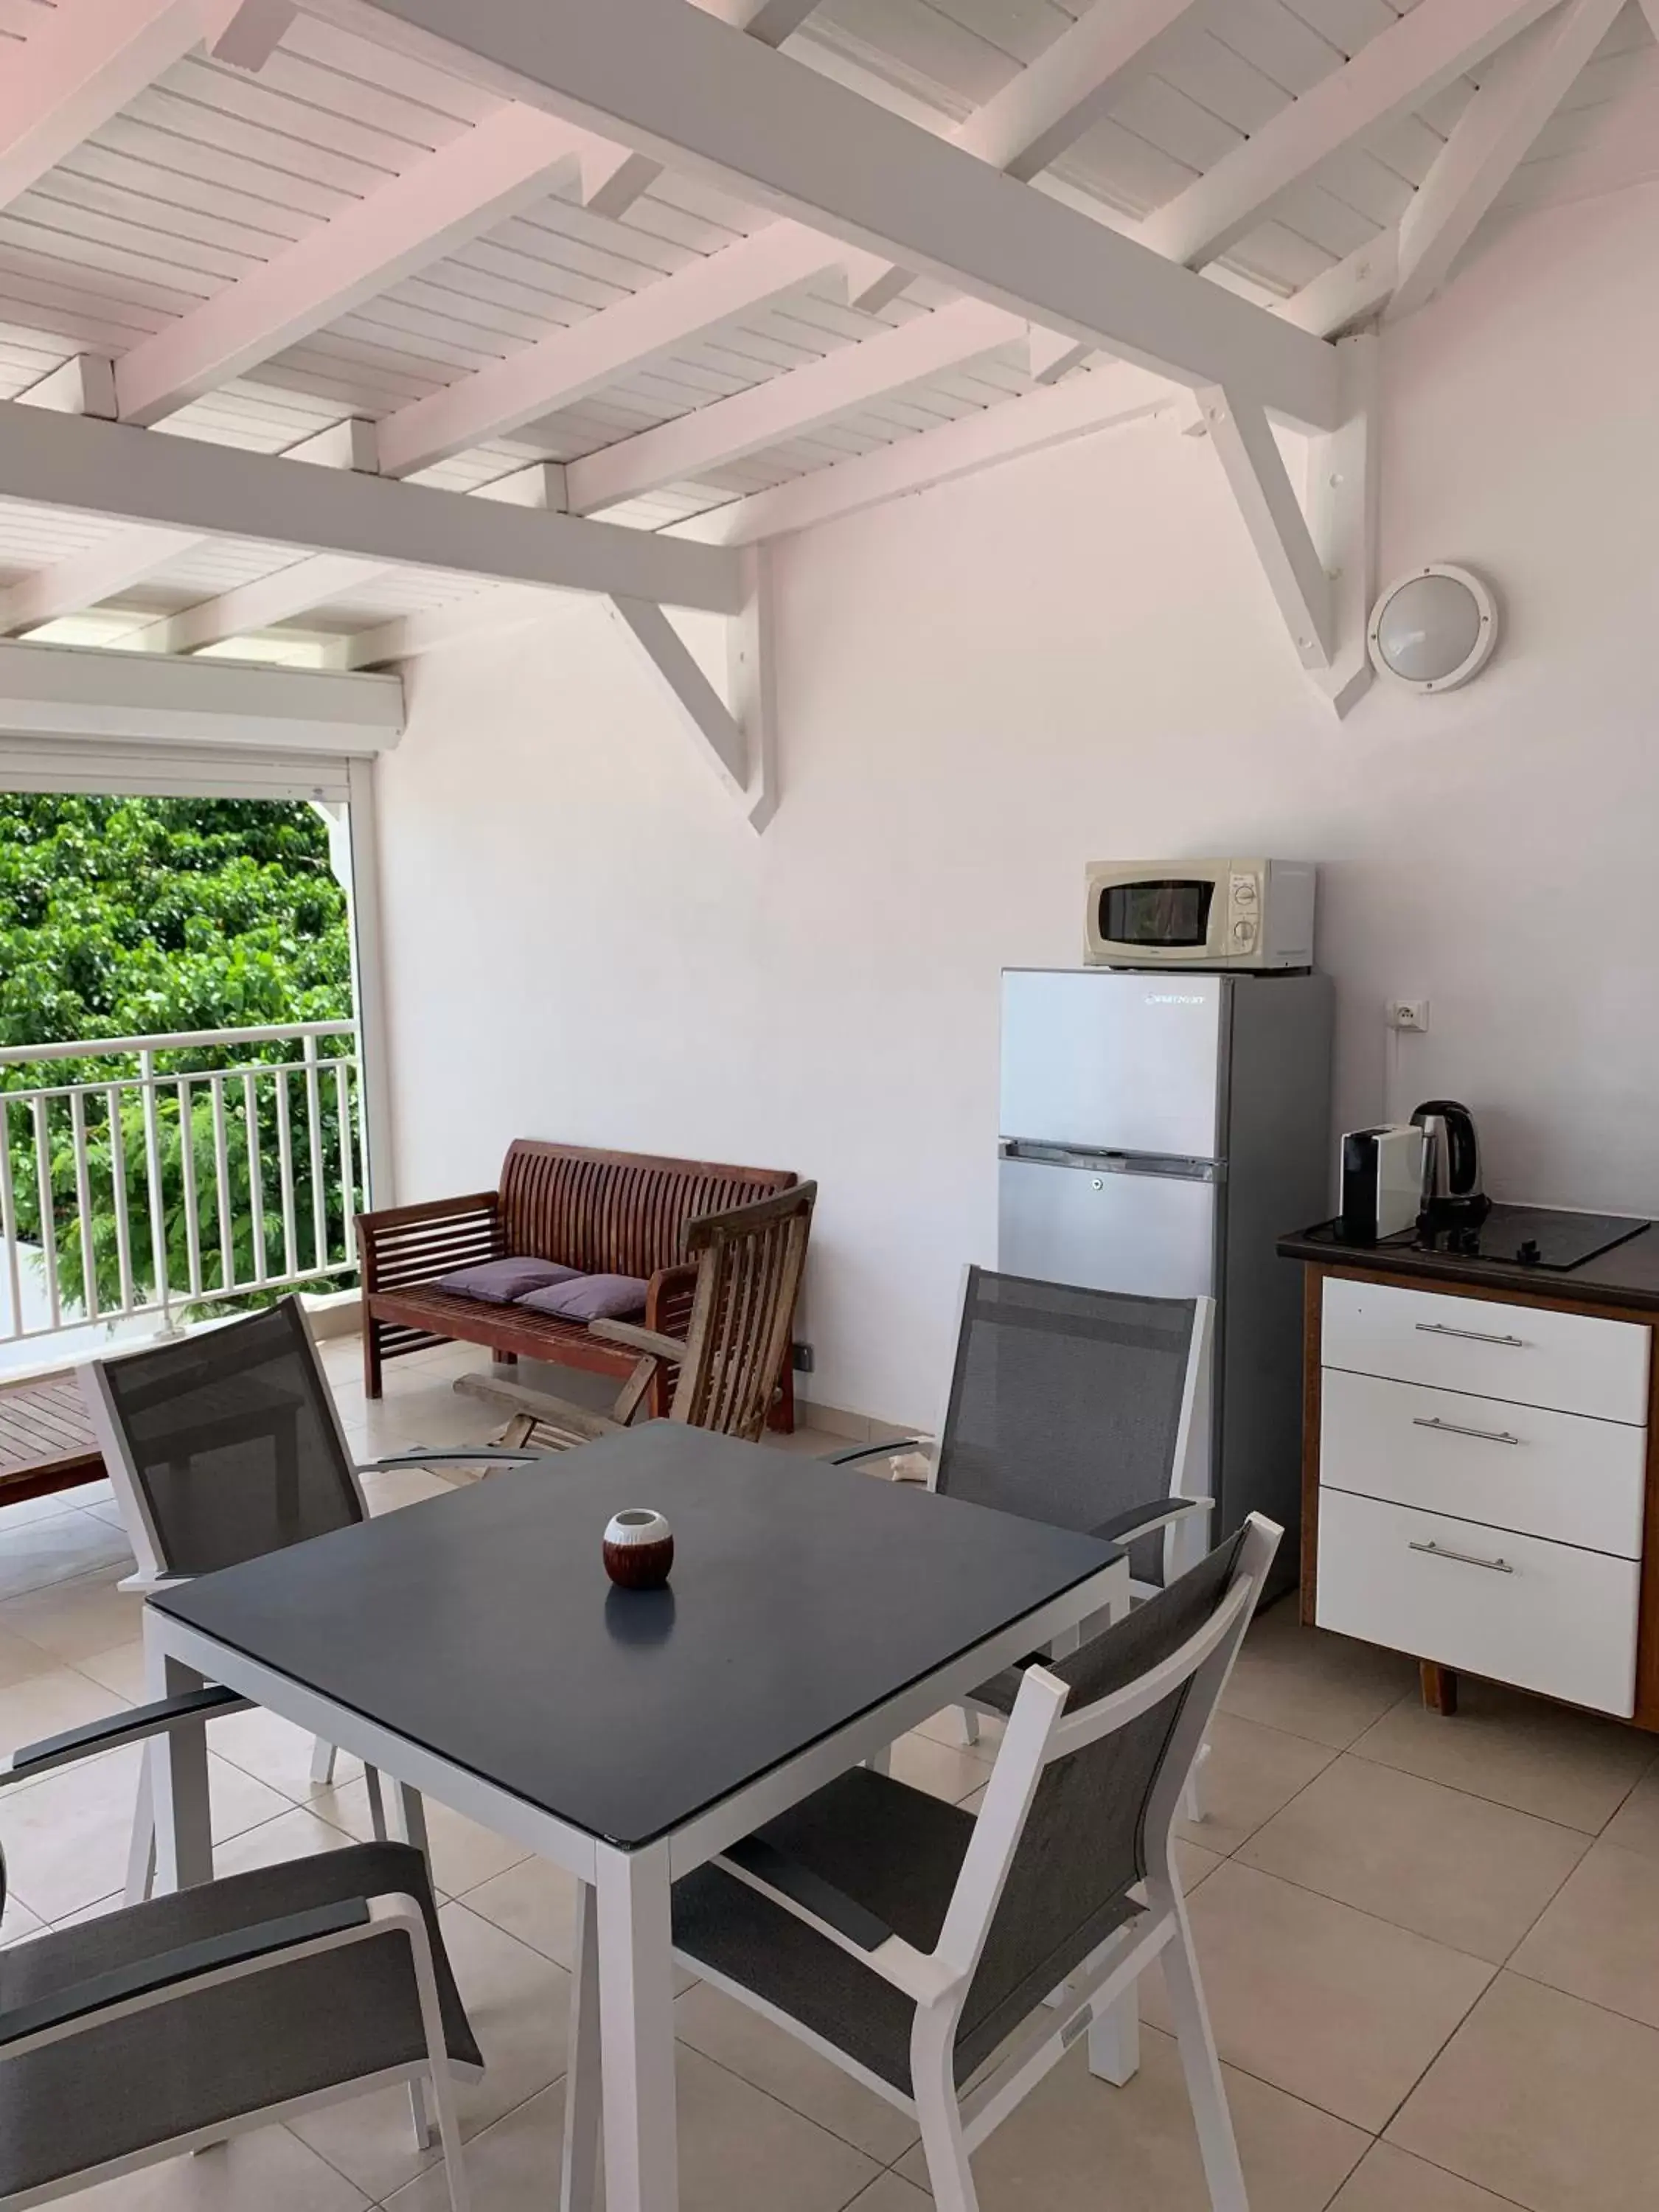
(1320,563)
(1249,452)
(735,734)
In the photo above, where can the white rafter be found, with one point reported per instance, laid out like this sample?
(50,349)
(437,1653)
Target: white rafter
(1520,91)
(459,622)
(1050,105)
(144,476)
(246,33)
(570,364)
(294,590)
(1099,400)
(506,162)
(1350,291)
(85,579)
(788,406)
(83,384)
(1400,68)
(661,77)
(771,21)
(1052,101)
(105,571)
(78,67)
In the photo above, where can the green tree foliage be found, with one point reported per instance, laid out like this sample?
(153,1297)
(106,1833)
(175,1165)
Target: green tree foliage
(135,917)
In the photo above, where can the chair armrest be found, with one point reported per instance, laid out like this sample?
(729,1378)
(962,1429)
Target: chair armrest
(840,1919)
(669,1298)
(574,1420)
(485,1455)
(131,1725)
(872,1451)
(769,1868)
(650,1342)
(1141,1520)
(402,1246)
(124,1988)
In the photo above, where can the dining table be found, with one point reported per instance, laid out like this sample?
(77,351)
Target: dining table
(472,1648)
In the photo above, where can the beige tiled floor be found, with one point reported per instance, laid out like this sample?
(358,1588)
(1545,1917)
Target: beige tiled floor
(1431,1947)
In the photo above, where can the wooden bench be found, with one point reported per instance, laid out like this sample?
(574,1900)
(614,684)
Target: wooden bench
(605,1213)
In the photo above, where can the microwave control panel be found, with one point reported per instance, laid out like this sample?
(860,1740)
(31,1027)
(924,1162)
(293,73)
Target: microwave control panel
(1243,911)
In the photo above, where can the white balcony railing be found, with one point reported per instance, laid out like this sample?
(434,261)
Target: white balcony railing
(187,1170)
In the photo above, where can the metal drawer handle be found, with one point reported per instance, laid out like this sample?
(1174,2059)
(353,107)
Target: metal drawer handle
(1452,1429)
(1474,1335)
(1464,1558)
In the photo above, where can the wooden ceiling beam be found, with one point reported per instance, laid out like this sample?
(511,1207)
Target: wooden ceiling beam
(1101,399)
(512,159)
(662,78)
(791,405)
(1520,91)
(218,491)
(1389,77)
(771,21)
(1026,127)
(656,322)
(77,68)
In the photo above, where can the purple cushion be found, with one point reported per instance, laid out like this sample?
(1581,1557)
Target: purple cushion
(590,1298)
(498,1282)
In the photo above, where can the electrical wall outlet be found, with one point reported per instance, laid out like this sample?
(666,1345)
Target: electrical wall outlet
(801,1359)
(1408,1014)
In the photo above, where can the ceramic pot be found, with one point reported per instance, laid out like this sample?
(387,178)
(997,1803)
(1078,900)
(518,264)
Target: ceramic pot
(639,1548)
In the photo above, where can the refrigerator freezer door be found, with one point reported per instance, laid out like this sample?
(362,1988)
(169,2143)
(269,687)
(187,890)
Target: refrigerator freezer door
(1150,1234)
(1113,1062)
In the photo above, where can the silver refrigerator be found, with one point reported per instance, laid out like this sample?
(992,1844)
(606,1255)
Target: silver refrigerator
(1160,1130)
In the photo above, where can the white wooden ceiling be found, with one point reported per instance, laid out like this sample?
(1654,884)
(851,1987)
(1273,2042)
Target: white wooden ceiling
(211,172)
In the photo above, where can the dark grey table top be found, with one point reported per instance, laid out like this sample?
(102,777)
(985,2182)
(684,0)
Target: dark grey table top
(482,1625)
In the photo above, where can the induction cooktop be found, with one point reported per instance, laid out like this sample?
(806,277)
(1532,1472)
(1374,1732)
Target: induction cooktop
(1529,1237)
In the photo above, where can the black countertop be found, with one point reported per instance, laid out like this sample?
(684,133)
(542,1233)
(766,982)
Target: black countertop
(1626,1275)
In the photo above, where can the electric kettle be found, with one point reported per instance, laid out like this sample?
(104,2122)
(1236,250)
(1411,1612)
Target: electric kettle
(1451,1165)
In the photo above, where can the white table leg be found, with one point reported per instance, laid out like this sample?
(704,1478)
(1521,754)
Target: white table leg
(636,2031)
(178,1776)
(579,2181)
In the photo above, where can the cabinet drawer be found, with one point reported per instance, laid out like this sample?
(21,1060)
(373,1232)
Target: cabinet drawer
(1559,1475)
(1549,1618)
(1532,1355)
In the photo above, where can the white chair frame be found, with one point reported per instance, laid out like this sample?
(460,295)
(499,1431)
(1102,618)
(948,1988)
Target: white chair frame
(1186,1526)
(139,1521)
(1095,1999)
(434,2076)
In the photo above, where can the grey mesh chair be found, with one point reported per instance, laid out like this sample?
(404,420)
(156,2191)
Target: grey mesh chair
(1086,1408)
(224,1446)
(948,1960)
(165,2026)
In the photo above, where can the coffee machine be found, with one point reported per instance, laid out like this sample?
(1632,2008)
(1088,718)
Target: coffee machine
(1453,1199)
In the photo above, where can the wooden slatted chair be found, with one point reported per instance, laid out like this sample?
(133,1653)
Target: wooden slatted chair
(730,1364)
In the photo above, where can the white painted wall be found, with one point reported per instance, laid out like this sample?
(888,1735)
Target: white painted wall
(1069,658)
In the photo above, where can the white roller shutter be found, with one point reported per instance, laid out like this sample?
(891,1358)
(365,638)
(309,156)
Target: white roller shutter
(169,771)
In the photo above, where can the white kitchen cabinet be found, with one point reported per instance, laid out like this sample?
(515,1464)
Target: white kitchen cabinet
(1476,1486)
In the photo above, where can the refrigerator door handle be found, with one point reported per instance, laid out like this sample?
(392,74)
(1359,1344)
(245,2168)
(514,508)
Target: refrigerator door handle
(1178,1166)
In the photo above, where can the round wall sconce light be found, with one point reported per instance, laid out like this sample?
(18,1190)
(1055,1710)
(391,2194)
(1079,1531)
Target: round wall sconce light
(1433,628)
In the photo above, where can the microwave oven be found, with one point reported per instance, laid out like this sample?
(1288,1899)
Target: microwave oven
(1200,914)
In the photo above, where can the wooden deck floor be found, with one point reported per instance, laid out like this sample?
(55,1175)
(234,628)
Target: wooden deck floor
(46,1442)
